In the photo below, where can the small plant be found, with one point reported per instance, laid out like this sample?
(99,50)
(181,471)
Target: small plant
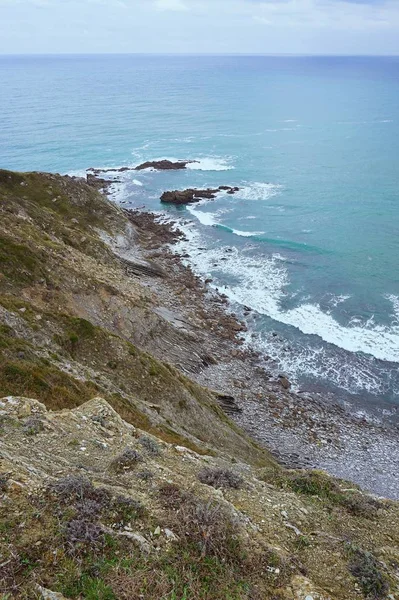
(171,495)
(3,482)
(360,505)
(207,528)
(125,510)
(302,542)
(81,536)
(145,475)
(364,567)
(96,589)
(100,420)
(77,488)
(150,445)
(220,478)
(33,425)
(126,461)
(88,509)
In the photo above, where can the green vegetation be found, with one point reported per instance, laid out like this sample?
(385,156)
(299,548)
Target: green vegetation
(365,568)
(326,489)
(33,379)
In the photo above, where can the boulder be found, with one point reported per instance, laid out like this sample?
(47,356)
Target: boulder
(285,383)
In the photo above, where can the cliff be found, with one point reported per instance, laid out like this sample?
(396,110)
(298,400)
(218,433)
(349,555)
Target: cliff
(120,476)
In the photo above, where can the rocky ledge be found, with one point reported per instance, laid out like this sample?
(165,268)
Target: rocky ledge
(195,195)
(165,165)
(159,165)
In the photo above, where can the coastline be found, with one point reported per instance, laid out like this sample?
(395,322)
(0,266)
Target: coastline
(300,429)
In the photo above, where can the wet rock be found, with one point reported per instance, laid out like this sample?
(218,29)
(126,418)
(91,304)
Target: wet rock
(192,195)
(164,165)
(284,382)
(97,182)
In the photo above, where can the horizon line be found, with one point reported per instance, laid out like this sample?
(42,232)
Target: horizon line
(210,54)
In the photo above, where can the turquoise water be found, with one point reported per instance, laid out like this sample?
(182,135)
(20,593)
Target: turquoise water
(310,242)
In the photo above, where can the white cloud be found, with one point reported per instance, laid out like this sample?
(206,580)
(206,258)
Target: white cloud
(210,26)
(174,5)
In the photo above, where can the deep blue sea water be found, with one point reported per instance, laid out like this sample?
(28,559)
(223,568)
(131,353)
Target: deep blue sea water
(310,242)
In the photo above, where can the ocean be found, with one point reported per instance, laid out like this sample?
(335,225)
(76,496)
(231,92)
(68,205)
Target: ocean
(310,242)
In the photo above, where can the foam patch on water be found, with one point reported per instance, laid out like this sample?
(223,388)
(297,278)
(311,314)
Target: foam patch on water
(246,233)
(210,164)
(137,182)
(204,218)
(259,191)
(395,304)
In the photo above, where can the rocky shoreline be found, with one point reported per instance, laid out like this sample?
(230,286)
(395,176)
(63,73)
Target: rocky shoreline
(301,430)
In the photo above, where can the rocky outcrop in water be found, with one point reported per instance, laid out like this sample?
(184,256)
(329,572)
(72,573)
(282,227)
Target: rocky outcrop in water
(164,165)
(195,195)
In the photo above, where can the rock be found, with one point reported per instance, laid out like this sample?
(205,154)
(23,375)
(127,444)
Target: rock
(164,165)
(97,182)
(192,195)
(49,595)
(285,383)
(170,535)
(137,537)
(157,531)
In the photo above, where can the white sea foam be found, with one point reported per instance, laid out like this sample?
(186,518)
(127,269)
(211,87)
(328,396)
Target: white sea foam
(137,182)
(259,191)
(261,284)
(335,300)
(211,163)
(203,217)
(395,303)
(246,233)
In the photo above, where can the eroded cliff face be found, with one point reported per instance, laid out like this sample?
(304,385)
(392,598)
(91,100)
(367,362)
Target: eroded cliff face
(121,478)
(77,320)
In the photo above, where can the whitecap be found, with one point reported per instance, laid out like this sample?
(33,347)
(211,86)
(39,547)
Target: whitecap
(259,191)
(210,164)
(204,218)
(137,182)
(247,233)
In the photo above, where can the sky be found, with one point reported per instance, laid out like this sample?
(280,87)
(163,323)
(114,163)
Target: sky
(200,26)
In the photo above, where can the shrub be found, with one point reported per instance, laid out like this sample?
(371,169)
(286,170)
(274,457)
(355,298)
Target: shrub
(220,478)
(33,425)
(3,482)
(75,487)
(150,445)
(145,475)
(126,461)
(171,495)
(207,528)
(88,509)
(360,505)
(364,567)
(126,510)
(81,535)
